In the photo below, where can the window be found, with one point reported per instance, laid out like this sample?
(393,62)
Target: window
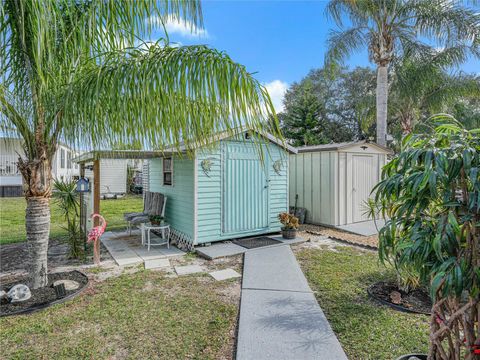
(62,158)
(167,171)
(69,160)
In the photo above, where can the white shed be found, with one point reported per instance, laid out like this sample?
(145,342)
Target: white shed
(333,181)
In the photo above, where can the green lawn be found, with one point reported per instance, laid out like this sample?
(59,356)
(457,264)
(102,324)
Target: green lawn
(366,330)
(12,217)
(138,316)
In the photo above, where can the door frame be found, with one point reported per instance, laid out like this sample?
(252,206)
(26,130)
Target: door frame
(352,204)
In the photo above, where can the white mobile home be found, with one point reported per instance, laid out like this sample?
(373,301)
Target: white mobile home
(11,183)
(113,176)
(333,181)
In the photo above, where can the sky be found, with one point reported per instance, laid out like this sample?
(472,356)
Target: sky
(278,41)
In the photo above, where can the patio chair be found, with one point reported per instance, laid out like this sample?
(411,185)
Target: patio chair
(157,207)
(147,203)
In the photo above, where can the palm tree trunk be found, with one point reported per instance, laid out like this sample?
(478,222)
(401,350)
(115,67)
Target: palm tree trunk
(37,221)
(382,107)
(37,175)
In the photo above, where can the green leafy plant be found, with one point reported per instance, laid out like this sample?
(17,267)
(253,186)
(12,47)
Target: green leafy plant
(408,278)
(67,200)
(155,219)
(432,188)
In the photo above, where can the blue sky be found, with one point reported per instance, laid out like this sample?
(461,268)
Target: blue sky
(281,41)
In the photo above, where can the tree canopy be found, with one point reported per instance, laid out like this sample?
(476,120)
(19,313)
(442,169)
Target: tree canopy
(326,109)
(345,104)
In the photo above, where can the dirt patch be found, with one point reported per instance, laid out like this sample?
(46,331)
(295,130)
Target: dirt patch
(417,301)
(231,292)
(369,241)
(14,257)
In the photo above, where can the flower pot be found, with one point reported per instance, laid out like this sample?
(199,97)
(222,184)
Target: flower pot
(415,356)
(289,233)
(155,223)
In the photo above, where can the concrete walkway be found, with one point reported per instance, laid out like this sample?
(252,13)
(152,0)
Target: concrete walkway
(279,315)
(364,228)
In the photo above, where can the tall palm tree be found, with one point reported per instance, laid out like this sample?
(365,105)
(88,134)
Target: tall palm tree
(393,28)
(77,71)
(421,88)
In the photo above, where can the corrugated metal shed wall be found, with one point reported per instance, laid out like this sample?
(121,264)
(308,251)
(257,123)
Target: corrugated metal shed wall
(332,185)
(312,177)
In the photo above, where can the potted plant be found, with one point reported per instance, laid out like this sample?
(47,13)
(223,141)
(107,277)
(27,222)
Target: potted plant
(290,225)
(156,219)
(434,183)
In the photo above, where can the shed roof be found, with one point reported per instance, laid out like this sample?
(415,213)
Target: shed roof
(342,146)
(145,154)
(90,156)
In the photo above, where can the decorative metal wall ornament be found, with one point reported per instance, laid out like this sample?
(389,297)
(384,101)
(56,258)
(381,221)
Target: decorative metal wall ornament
(277,166)
(206,165)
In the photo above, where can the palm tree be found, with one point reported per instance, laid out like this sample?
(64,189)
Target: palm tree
(393,28)
(421,88)
(77,71)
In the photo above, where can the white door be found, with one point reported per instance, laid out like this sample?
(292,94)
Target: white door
(365,177)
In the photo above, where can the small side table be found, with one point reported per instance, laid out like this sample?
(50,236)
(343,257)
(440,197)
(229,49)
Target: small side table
(145,229)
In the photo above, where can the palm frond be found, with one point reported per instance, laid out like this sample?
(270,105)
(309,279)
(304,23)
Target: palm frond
(342,43)
(162,96)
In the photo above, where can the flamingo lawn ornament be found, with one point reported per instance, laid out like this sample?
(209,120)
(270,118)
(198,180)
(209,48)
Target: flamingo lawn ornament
(94,235)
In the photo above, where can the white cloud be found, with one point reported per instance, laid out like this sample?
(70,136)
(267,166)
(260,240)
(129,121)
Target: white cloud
(276,89)
(175,26)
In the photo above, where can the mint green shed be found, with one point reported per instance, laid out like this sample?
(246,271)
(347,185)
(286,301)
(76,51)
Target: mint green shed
(228,189)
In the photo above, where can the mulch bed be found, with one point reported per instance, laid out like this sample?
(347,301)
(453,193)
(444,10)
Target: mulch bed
(14,257)
(369,242)
(416,301)
(43,297)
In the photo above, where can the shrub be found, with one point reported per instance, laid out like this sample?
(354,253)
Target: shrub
(433,186)
(67,199)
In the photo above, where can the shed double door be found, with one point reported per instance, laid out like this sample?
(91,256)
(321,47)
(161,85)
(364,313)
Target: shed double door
(364,176)
(245,189)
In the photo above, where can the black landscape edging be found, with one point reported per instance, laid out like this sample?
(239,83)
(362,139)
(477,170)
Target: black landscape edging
(394,306)
(55,302)
(408,356)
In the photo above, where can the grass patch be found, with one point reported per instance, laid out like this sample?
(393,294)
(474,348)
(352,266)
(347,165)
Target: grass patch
(12,217)
(365,330)
(137,316)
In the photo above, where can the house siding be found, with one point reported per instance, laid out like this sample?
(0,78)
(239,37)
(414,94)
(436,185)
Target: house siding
(179,210)
(210,212)
(113,176)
